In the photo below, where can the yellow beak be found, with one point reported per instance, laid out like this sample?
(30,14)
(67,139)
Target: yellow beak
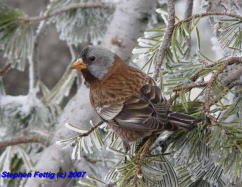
(79,65)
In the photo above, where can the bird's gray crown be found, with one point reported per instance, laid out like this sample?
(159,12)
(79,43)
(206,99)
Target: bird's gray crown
(98,60)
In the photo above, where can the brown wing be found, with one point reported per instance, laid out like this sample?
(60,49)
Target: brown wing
(145,111)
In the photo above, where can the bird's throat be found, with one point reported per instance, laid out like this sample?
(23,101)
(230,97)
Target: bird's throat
(88,76)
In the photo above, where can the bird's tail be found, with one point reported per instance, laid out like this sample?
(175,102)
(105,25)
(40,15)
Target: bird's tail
(177,120)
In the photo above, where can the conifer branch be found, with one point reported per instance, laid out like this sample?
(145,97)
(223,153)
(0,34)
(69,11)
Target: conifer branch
(69,8)
(229,61)
(171,25)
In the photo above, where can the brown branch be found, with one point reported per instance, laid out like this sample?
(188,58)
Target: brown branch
(208,14)
(5,69)
(167,38)
(141,155)
(209,86)
(24,139)
(190,86)
(68,8)
(229,61)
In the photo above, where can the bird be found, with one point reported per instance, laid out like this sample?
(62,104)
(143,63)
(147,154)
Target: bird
(126,98)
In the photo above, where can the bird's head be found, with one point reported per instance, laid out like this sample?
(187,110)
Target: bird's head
(95,62)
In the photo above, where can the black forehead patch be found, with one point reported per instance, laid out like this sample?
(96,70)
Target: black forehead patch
(84,53)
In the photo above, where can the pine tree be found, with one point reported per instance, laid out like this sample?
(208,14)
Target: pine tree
(39,132)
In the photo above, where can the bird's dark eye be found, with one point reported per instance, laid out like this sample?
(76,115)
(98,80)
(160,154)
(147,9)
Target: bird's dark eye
(92,58)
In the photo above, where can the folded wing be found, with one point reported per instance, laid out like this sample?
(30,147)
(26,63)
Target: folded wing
(146,111)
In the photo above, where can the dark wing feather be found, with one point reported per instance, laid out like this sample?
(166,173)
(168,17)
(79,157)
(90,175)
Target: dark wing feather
(145,111)
(109,112)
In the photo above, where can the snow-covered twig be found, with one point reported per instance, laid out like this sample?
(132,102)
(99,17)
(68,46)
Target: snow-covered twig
(68,8)
(191,85)
(23,140)
(33,58)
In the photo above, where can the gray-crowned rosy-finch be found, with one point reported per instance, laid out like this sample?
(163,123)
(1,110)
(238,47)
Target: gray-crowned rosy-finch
(126,98)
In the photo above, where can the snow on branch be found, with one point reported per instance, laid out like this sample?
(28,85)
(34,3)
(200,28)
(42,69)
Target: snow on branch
(23,140)
(69,8)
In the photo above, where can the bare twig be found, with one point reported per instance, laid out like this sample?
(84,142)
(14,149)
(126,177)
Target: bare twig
(90,130)
(24,139)
(190,86)
(5,69)
(68,8)
(167,38)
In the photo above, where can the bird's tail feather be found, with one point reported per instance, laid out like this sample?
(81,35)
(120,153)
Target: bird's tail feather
(177,120)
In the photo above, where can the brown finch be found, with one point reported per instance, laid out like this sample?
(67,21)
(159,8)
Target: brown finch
(126,98)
